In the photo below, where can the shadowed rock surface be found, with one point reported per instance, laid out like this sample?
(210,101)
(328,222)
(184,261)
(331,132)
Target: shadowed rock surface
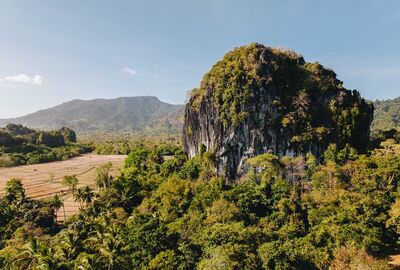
(259,99)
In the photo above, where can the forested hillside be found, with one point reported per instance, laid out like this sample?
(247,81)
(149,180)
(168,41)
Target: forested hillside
(136,115)
(387,114)
(20,145)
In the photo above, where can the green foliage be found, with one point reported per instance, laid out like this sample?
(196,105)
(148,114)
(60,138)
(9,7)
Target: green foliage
(148,236)
(103,176)
(191,169)
(70,181)
(20,145)
(307,103)
(288,213)
(14,191)
(17,212)
(386,115)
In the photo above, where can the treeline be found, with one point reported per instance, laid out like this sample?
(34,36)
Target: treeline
(124,144)
(167,212)
(21,145)
(386,114)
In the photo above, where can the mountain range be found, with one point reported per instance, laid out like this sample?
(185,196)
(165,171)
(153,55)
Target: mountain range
(137,115)
(146,115)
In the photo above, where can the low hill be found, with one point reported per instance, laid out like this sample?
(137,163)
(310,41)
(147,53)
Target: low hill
(140,115)
(387,114)
(20,145)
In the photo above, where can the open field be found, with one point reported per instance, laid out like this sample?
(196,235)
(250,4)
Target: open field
(37,183)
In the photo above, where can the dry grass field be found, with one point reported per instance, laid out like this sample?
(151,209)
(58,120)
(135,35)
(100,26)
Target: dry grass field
(44,180)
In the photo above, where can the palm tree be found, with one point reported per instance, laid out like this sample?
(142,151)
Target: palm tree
(56,202)
(103,177)
(79,196)
(88,194)
(83,195)
(71,181)
(85,262)
(110,245)
(68,246)
(27,256)
(35,255)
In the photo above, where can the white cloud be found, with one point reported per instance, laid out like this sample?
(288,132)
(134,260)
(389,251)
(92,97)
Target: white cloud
(129,71)
(23,78)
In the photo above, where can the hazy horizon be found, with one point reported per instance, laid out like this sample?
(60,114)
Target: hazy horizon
(53,52)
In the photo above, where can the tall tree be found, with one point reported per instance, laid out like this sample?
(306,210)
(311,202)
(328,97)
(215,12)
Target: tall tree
(56,202)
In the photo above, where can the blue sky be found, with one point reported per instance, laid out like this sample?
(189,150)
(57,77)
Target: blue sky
(55,51)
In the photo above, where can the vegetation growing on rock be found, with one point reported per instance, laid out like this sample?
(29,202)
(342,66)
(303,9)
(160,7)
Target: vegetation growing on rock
(259,99)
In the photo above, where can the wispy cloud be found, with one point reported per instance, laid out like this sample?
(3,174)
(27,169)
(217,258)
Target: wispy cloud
(133,72)
(129,71)
(23,78)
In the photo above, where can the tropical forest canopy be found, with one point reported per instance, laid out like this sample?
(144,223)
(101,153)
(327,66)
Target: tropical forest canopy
(168,212)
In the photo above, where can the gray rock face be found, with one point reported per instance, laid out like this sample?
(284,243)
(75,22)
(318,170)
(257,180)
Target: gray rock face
(232,145)
(273,121)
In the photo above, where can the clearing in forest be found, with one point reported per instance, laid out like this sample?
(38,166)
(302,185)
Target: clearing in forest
(44,180)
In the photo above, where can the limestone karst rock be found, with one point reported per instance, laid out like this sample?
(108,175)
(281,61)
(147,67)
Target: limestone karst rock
(258,99)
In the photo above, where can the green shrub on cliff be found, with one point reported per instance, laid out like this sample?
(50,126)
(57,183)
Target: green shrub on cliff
(306,100)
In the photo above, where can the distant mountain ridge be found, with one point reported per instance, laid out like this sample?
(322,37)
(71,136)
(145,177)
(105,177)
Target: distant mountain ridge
(137,115)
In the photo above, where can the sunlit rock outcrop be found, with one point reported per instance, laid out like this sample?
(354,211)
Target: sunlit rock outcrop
(258,99)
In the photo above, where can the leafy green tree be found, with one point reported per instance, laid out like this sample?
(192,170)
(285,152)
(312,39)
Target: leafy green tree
(191,169)
(147,236)
(167,260)
(14,191)
(71,181)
